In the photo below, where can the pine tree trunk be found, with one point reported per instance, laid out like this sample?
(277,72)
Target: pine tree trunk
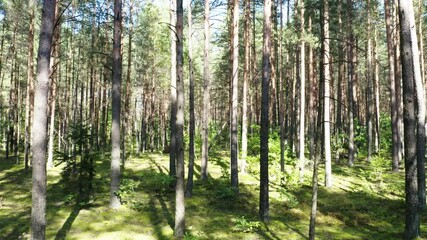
(53,86)
(179,124)
(369,76)
(38,208)
(189,189)
(116,95)
(302,94)
(393,104)
(350,58)
(173,107)
(264,195)
(410,73)
(246,73)
(30,84)
(234,100)
(326,95)
(206,96)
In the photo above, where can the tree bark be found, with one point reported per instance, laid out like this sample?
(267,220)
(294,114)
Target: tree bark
(246,73)
(264,195)
(38,208)
(206,95)
(393,103)
(189,189)
(30,84)
(410,73)
(173,107)
(115,128)
(179,125)
(302,93)
(326,95)
(234,100)
(369,76)
(350,57)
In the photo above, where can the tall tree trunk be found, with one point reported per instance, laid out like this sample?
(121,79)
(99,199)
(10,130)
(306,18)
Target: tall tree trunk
(326,95)
(393,104)
(30,83)
(263,195)
(282,103)
(246,73)
(377,94)
(115,127)
(206,96)
(128,88)
(234,100)
(179,190)
(350,43)
(369,76)
(189,189)
(38,207)
(173,107)
(341,73)
(302,94)
(53,86)
(410,73)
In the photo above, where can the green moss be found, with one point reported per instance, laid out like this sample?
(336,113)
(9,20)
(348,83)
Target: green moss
(366,202)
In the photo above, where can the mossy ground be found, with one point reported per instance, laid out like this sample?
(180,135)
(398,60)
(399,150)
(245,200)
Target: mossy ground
(365,202)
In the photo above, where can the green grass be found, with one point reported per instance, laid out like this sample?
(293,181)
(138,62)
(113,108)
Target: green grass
(366,202)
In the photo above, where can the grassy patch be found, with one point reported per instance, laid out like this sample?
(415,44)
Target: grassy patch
(366,202)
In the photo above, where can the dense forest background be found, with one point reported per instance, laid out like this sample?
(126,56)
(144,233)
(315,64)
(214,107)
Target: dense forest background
(245,119)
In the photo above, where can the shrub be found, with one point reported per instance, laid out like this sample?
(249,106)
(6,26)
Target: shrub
(243,225)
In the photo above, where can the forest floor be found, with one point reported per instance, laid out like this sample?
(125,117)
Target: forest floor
(366,202)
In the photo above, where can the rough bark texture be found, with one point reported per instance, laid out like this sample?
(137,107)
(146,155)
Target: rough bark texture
(179,124)
(302,94)
(246,73)
(350,58)
(115,126)
(30,84)
(38,207)
(189,188)
(264,196)
(326,95)
(410,125)
(172,147)
(421,114)
(206,96)
(234,100)
(369,76)
(393,103)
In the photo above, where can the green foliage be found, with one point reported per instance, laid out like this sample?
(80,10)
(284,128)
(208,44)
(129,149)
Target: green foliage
(199,236)
(223,190)
(243,225)
(289,199)
(127,189)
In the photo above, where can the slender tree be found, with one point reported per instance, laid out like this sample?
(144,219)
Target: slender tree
(302,92)
(263,195)
(246,73)
(206,95)
(38,207)
(172,146)
(234,99)
(189,189)
(351,108)
(30,83)
(115,128)
(326,95)
(411,74)
(369,76)
(179,125)
(391,75)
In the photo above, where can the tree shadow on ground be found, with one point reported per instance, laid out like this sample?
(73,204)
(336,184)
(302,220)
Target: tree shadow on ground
(63,232)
